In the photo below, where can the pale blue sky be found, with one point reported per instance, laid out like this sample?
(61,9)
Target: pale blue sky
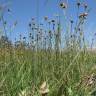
(24,10)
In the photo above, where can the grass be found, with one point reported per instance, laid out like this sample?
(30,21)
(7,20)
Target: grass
(69,75)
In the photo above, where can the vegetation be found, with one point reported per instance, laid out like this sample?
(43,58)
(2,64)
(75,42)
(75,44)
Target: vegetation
(37,65)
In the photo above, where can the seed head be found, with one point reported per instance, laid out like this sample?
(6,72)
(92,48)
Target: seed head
(71,21)
(83,15)
(9,10)
(33,24)
(78,4)
(33,19)
(29,24)
(24,37)
(49,31)
(71,36)
(85,6)
(79,29)
(5,22)
(15,23)
(49,22)
(63,5)
(45,18)
(41,24)
(53,21)
(30,34)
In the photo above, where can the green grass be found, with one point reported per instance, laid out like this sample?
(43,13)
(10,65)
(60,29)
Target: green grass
(65,76)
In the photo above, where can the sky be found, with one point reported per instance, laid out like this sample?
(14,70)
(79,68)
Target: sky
(23,10)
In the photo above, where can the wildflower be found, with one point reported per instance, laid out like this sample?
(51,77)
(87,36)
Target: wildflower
(53,21)
(78,4)
(45,18)
(33,24)
(36,28)
(49,31)
(32,19)
(9,10)
(44,89)
(24,37)
(85,6)
(41,24)
(49,22)
(30,34)
(83,15)
(71,21)
(32,37)
(29,24)
(15,23)
(79,29)
(5,22)
(71,36)
(41,29)
(63,5)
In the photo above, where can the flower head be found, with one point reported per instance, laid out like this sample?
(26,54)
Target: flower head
(82,15)
(24,37)
(45,18)
(9,10)
(71,21)
(29,24)
(15,23)
(78,3)
(85,6)
(5,22)
(33,19)
(63,5)
(53,21)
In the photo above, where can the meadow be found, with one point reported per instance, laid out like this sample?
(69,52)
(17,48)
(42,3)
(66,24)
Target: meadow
(37,65)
